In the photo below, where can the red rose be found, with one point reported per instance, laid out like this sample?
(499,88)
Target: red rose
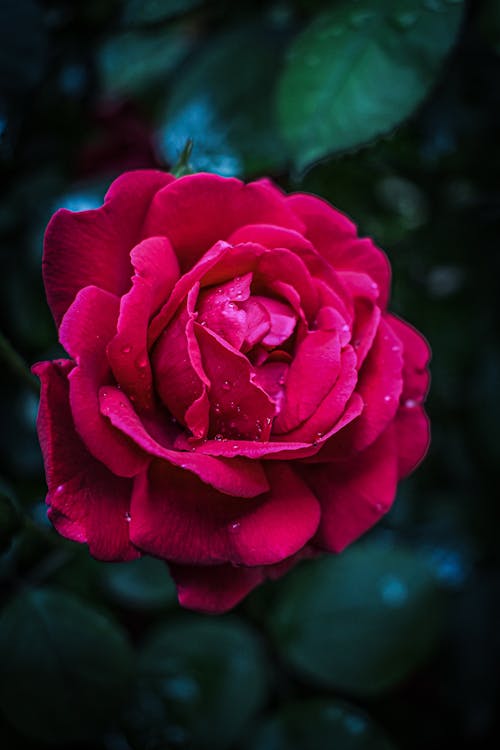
(238,396)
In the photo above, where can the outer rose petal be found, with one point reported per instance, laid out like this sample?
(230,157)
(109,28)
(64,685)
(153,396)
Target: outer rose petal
(85,332)
(198,210)
(354,494)
(156,271)
(177,518)
(335,237)
(413,436)
(92,247)
(215,589)
(86,502)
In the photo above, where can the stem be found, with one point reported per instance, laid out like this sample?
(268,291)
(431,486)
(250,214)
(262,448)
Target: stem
(183,166)
(17,364)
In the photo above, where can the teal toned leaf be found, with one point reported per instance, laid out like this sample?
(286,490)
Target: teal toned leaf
(141,584)
(155,11)
(359,70)
(223,101)
(361,621)
(202,681)
(317,724)
(65,667)
(131,62)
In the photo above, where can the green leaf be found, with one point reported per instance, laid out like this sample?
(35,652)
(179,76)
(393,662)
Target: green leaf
(359,70)
(361,621)
(10,521)
(317,724)
(141,584)
(202,681)
(223,101)
(65,667)
(132,62)
(155,11)
(23,46)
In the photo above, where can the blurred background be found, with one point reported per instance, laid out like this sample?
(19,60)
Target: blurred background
(391,111)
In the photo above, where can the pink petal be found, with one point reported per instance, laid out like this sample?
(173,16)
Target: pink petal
(335,237)
(281,265)
(86,502)
(354,494)
(156,271)
(219,309)
(214,589)
(92,247)
(380,384)
(180,379)
(198,210)
(312,374)
(416,356)
(413,436)
(238,476)
(325,417)
(238,407)
(282,321)
(177,518)
(85,332)
(258,322)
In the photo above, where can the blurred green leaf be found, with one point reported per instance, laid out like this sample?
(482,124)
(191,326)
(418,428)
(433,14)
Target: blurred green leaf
(489,23)
(141,584)
(155,11)
(316,724)
(132,62)
(10,521)
(361,621)
(23,46)
(223,101)
(65,667)
(359,70)
(202,680)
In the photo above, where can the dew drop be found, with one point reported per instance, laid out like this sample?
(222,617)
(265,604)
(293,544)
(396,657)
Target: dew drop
(60,489)
(395,348)
(127,517)
(126,349)
(387,398)
(345,328)
(410,403)
(235,526)
(219,436)
(226,385)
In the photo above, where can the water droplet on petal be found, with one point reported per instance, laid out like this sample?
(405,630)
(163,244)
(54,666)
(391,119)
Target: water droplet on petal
(60,488)
(218,436)
(127,517)
(235,526)
(345,328)
(226,385)
(235,447)
(395,348)
(387,398)
(126,349)
(410,403)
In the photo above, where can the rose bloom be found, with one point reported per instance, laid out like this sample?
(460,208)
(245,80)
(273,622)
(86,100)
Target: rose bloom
(236,396)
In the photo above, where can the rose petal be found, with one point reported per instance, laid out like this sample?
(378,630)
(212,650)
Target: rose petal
(335,237)
(219,309)
(89,324)
(215,589)
(416,356)
(180,379)
(380,384)
(413,436)
(92,247)
(237,477)
(198,210)
(177,518)
(238,406)
(354,494)
(331,408)
(156,271)
(86,502)
(312,374)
